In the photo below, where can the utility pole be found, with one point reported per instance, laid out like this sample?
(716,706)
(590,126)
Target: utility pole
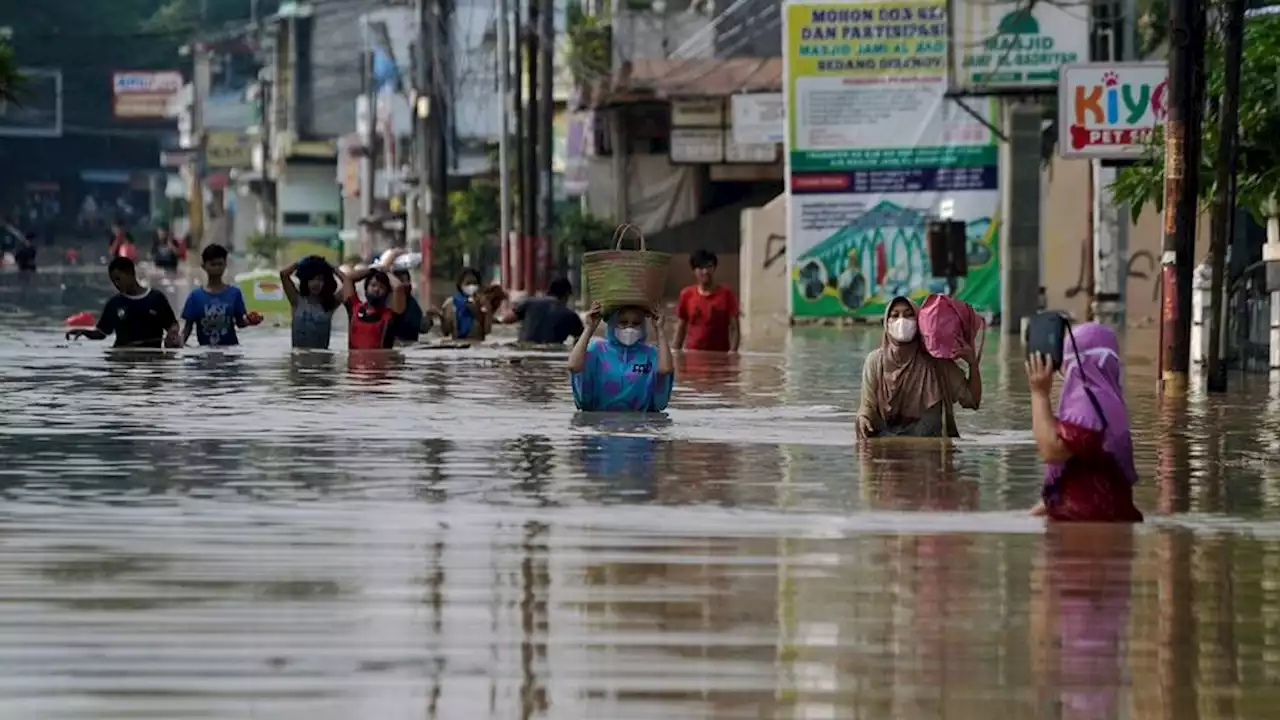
(1224,198)
(437,118)
(370,147)
(1108,224)
(504,139)
(368,141)
(421,149)
(547,111)
(517,242)
(200,81)
(1181,185)
(529,194)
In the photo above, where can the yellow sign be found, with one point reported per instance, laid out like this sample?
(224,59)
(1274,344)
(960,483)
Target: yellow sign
(228,149)
(865,41)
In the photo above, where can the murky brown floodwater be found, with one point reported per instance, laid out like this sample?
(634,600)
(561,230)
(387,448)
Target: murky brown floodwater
(436,534)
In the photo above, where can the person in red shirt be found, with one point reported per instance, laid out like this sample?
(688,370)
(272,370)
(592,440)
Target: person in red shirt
(708,312)
(372,319)
(122,243)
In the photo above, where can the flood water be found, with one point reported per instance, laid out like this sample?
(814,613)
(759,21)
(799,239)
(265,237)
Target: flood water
(256,533)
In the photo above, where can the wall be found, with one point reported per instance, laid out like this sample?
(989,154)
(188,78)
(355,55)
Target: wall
(1064,225)
(762,268)
(718,231)
(337,40)
(311,189)
(659,194)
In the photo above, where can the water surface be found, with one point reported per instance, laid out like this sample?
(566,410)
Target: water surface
(259,533)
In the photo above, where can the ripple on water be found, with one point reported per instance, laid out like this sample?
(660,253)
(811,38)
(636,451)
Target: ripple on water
(258,533)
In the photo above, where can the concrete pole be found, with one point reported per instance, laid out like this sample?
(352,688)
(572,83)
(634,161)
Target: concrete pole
(618,139)
(546,132)
(1109,225)
(1181,185)
(422,156)
(505,108)
(517,109)
(200,81)
(1020,214)
(532,129)
(1108,267)
(370,143)
(440,13)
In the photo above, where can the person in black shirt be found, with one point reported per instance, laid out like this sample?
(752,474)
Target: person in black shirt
(164,250)
(139,317)
(25,257)
(548,320)
(408,326)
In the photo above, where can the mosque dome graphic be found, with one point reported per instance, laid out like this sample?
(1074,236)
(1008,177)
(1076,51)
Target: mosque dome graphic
(1019,22)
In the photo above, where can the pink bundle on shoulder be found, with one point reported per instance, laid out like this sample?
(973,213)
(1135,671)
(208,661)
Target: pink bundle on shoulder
(948,326)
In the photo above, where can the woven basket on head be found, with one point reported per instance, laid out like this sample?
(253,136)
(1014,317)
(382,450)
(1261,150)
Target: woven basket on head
(625,277)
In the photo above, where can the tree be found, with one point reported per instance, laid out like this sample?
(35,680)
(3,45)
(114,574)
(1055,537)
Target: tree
(588,44)
(579,231)
(10,78)
(1258,179)
(472,225)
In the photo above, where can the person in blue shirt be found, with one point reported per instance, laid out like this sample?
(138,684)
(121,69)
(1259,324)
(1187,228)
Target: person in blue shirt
(622,372)
(215,310)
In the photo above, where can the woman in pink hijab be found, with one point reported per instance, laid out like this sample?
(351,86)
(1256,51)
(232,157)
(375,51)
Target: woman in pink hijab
(1088,454)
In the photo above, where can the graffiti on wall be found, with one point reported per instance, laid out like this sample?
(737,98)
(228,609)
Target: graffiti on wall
(1140,265)
(775,250)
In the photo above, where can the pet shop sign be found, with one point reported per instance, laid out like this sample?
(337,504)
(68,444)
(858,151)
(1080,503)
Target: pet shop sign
(1110,111)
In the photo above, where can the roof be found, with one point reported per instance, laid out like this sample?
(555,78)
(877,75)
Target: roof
(650,79)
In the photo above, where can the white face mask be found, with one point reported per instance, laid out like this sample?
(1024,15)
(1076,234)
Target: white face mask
(902,329)
(627,336)
(470,289)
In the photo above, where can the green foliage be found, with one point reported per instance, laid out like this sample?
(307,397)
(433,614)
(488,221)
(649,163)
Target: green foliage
(267,247)
(1153,25)
(11,81)
(589,48)
(475,225)
(1258,178)
(581,231)
(472,225)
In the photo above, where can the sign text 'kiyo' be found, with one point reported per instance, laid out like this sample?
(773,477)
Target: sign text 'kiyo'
(1110,110)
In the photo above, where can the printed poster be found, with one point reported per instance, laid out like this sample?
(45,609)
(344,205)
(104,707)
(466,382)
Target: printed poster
(875,149)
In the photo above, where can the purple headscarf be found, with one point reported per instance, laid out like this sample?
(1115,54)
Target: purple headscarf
(1091,364)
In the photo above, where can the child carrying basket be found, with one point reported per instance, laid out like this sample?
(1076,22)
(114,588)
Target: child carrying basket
(623,372)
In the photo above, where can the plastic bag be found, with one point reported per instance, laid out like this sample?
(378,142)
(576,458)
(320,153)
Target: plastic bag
(948,326)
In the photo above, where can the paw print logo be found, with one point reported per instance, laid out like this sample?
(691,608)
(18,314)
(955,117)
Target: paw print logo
(1110,79)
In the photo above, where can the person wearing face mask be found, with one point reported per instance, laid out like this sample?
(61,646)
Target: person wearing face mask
(622,372)
(908,393)
(463,316)
(372,319)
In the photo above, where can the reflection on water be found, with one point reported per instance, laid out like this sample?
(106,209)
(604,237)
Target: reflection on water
(256,532)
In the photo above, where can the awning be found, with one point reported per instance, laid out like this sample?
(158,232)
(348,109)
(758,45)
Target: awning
(650,79)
